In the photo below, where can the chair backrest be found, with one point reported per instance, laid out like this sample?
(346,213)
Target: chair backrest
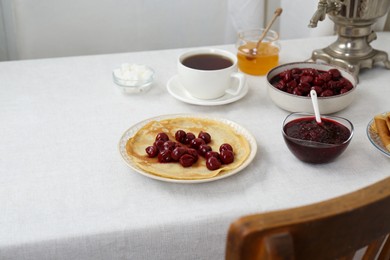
(333,229)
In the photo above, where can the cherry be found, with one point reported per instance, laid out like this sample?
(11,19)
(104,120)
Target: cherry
(212,154)
(164,156)
(187,160)
(159,144)
(178,152)
(291,84)
(180,136)
(196,143)
(193,153)
(225,146)
(281,85)
(162,136)
(203,149)
(188,147)
(170,145)
(327,93)
(325,77)
(317,81)
(335,73)
(310,72)
(287,76)
(297,92)
(299,82)
(152,151)
(226,156)
(205,136)
(213,163)
(189,138)
(318,89)
(304,87)
(296,71)
(334,85)
(346,83)
(306,79)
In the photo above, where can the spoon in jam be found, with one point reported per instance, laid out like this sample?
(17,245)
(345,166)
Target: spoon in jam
(314,101)
(252,52)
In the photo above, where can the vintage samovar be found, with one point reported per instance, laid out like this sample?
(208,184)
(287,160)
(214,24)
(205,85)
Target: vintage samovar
(353,23)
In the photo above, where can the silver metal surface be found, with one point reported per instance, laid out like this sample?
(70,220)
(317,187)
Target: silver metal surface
(353,21)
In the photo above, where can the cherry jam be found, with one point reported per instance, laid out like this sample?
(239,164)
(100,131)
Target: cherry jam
(316,143)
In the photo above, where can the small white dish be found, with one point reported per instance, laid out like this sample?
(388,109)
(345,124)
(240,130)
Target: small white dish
(133,78)
(175,88)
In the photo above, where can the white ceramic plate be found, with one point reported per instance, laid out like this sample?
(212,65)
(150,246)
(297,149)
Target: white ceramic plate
(239,129)
(376,140)
(177,91)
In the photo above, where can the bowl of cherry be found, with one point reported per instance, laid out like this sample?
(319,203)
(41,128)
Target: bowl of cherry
(314,142)
(289,87)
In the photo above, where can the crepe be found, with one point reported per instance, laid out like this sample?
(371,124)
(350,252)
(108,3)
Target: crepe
(220,133)
(382,127)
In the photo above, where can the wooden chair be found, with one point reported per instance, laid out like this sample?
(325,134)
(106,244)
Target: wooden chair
(333,229)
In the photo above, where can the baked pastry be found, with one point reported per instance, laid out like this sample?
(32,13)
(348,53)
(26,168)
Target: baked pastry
(382,127)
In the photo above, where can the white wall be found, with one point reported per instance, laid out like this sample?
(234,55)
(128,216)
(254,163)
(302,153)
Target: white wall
(50,28)
(3,47)
(296,17)
(3,39)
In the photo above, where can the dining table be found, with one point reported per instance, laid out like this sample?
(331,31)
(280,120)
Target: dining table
(67,193)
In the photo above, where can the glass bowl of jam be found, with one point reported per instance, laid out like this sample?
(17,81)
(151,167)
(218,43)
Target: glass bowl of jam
(314,142)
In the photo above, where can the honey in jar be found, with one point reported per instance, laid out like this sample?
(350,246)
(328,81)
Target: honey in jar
(261,61)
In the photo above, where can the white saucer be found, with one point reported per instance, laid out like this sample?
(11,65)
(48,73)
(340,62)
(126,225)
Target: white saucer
(177,91)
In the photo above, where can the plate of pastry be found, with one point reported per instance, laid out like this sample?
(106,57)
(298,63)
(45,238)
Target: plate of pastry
(378,132)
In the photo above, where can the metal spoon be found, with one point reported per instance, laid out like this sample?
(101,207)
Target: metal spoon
(253,51)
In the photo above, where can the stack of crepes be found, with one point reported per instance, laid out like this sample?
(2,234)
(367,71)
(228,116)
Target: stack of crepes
(382,127)
(220,133)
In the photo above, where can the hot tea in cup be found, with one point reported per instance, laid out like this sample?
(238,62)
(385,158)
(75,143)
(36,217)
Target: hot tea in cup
(210,73)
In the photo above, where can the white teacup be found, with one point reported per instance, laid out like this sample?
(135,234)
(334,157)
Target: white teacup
(210,73)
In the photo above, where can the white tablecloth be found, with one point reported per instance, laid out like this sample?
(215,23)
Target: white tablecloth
(65,192)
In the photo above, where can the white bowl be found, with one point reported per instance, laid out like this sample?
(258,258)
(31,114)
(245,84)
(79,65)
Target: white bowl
(295,103)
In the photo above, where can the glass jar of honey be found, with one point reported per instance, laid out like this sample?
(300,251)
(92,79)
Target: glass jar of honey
(257,61)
